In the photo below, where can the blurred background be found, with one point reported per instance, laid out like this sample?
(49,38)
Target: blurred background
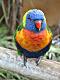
(11,14)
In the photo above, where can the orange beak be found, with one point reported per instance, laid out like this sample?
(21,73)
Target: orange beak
(38,24)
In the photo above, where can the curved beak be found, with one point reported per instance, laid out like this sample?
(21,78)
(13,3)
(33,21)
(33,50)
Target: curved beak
(38,24)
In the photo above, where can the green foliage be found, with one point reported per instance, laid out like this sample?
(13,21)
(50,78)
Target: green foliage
(3,32)
(53,53)
(4,74)
(0,2)
(6,40)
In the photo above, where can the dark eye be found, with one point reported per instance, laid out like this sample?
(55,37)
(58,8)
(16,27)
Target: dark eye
(42,19)
(30,19)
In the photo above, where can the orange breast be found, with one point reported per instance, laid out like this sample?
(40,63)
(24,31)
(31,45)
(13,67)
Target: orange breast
(33,41)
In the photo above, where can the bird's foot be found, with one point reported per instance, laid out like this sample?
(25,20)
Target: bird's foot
(25,60)
(22,59)
(38,60)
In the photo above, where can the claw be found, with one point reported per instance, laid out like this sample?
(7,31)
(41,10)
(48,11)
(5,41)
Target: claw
(38,60)
(25,60)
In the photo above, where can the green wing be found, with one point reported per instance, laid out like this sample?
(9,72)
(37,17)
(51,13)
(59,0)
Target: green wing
(19,52)
(22,25)
(47,27)
(18,29)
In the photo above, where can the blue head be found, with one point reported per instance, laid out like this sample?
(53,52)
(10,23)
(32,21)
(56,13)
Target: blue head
(34,20)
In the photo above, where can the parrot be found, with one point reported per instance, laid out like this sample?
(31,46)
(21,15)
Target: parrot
(33,37)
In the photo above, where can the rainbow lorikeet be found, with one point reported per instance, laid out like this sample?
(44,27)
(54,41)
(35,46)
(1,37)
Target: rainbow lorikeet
(33,37)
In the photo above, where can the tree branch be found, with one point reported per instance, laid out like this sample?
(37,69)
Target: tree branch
(47,69)
(4,11)
(1,19)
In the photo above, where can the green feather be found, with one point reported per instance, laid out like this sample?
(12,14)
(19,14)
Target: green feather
(18,29)
(47,28)
(24,18)
(19,52)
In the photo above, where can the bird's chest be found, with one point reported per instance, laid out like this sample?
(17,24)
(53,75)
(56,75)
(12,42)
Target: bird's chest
(32,41)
